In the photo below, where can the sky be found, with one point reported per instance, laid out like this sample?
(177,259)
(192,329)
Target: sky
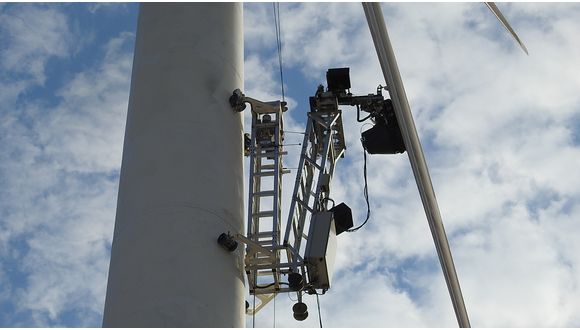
(500,130)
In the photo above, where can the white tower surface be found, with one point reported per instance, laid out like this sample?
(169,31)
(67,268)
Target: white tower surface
(181,180)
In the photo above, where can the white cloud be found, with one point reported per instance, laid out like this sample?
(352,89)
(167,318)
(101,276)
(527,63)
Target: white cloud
(92,101)
(515,275)
(60,165)
(68,256)
(499,129)
(496,128)
(32,34)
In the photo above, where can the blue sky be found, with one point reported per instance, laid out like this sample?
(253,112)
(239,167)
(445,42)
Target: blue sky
(500,131)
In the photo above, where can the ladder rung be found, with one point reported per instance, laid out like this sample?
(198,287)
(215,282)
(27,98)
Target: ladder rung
(268,272)
(262,259)
(304,204)
(312,162)
(259,261)
(283,267)
(268,245)
(259,264)
(271,154)
(264,234)
(263,214)
(265,173)
(268,167)
(264,193)
(273,123)
(259,257)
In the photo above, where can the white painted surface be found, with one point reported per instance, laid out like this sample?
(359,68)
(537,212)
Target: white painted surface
(404,115)
(182,173)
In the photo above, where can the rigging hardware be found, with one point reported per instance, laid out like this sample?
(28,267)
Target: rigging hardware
(306,253)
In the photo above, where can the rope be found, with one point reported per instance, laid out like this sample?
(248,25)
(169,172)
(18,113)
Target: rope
(319,316)
(254,313)
(276,7)
(289,297)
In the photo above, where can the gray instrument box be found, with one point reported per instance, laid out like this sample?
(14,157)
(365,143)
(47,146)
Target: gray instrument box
(321,250)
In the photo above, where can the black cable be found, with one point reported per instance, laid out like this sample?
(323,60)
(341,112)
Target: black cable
(280,53)
(358,115)
(269,285)
(329,199)
(276,7)
(290,145)
(254,313)
(319,316)
(264,286)
(365,193)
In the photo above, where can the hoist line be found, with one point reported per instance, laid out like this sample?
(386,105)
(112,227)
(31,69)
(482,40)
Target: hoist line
(254,312)
(319,316)
(276,8)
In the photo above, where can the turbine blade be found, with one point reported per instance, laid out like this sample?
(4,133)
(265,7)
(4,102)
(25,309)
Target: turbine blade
(397,93)
(505,23)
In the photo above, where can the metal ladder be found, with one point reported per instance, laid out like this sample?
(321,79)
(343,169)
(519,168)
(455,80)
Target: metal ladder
(264,209)
(323,145)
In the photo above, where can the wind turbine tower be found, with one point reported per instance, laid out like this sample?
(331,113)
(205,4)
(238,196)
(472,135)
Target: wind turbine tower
(181,186)
(181,179)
